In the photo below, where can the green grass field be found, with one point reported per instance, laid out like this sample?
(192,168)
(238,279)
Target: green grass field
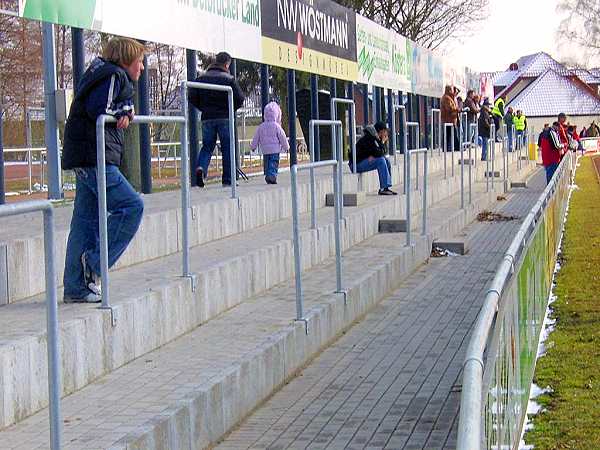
(571,366)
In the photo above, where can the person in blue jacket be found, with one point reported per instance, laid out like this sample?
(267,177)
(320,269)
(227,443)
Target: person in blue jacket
(105,88)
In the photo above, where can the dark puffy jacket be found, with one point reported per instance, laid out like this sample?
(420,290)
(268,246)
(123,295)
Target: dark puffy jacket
(105,88)
(485,122)
(369,145)
(213,104)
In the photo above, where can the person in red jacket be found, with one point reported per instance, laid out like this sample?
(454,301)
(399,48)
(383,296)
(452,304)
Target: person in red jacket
(562,130)
(552,149)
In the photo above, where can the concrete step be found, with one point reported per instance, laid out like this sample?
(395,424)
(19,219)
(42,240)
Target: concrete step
(348,198)
(189,392)
(214,216)
(153,305)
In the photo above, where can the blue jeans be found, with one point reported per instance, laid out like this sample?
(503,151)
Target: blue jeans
(383,167)
(484,148)
(125,209)
(210,130)
(521,141)
(510,139)
(271,165)
(550,171)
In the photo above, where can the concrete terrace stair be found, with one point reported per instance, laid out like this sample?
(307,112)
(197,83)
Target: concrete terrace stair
(188,393)
(214,216)
(155,306)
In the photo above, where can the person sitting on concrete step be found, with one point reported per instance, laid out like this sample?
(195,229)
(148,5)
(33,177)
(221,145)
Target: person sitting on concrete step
(370,155)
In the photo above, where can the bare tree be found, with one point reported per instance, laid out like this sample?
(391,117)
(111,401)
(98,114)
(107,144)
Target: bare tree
(579,31)
(427,22)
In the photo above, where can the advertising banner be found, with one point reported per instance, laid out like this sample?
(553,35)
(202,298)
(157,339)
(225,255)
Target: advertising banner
(384,58)
(316,36)
(207,25)
(427,72)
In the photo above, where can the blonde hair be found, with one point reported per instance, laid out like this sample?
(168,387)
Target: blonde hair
(122,50)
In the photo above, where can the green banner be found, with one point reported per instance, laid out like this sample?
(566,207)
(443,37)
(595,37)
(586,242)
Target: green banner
(63,12)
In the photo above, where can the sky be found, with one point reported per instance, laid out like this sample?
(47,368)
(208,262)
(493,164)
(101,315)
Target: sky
(524,27)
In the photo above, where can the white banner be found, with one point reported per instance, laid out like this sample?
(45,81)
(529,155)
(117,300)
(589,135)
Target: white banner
(383,56)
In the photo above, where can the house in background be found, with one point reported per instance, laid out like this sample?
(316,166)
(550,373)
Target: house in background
(542,88)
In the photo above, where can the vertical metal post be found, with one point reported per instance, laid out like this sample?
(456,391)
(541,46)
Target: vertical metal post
(145,148)
(339,155)
(291,85)
(332,111)
(394,131)
(264,98)
(407,157)
(77,56)
(365,89)
(232,154)
(314,111)
(296,232)
(447,126)
(353,136)
(487,164)
(352,117)
(471,173)
(425,175)
(493,151)
(51,126)
(236,147)
(2,187)
(54,379)
(337,186)
(29,144)
(377,91)
(313,194)
(462,175)
(453,149)
(418,134)
(185,183)
(507,158)
(191,63)
(102,213)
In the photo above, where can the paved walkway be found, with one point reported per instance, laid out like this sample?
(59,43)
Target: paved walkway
(393,381)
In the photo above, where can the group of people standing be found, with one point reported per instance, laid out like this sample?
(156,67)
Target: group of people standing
(484,115)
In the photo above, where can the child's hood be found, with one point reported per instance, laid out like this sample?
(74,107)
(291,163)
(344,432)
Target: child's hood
(273,113)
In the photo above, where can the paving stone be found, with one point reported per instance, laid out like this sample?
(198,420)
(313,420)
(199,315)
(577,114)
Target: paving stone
(393,373)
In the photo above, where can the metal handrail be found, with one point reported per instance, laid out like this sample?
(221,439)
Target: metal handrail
(336,125)
(436,112)
(346,101)
(452,131)
(296,231)
(415,126)
(425,153)
(54,367)
(102,208)
(401,108)
(219,88)
(470,434)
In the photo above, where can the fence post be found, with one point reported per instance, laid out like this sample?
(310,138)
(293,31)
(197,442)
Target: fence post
(291,88)
(54,379)
(191,62)
(314,111)
(185,183)
(425,175)
(51,127)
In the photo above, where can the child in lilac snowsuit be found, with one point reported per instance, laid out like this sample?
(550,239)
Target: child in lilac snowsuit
(271,140)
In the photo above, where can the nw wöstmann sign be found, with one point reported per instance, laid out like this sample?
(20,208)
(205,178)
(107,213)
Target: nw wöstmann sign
(317,36)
